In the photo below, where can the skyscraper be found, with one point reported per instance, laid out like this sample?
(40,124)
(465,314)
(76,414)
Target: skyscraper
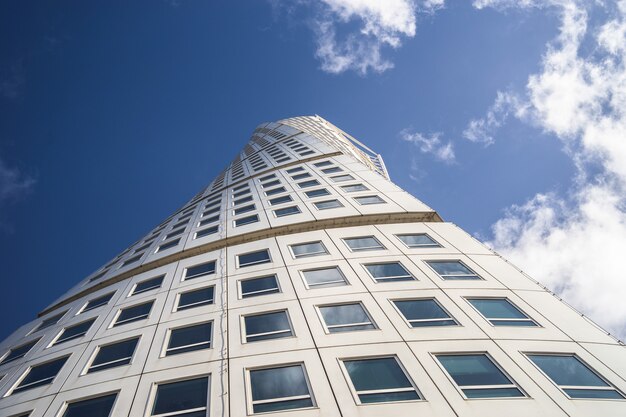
(302,281)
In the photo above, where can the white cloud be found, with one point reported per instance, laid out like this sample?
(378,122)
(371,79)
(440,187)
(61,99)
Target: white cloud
(380,24)
(574,243)
(482,130)
(430,144)
(13,183)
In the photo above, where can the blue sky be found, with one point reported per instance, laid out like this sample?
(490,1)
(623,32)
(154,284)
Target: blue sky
(504,116)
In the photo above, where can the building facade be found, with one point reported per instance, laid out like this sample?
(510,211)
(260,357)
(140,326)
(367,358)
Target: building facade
(303,282)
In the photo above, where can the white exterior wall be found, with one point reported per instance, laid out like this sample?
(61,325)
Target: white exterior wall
(560,328)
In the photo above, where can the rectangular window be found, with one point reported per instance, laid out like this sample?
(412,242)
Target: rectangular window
(246,220)
(380,380)
(478,376)
(324,277)
(40,375)
(317,193)
(131,260)
(356,244)
(179,224)
(96,407)
(501,312)
(300,176)
(280,200)
(259,286)
(242,200)
(113,355)
(266,326)
(206,232)
(280,388)
(389,272)
(328,204)
(276,190)
(352,188)
(187,398)
(199,270)
(189,339)
(322,164)
(168,245)
(147,285)
(50,321)
(174,233)
(209,220)
(332,170)
(74,332)
(254,258)
(97,302)
(240,187)
(244,209)
(142,248)
(449,270)
(267,177)
(287,211)
(425,312)
(345,318)
(342,178)
(212,211)
(574,376)
(134,313)
(18,352)
(369,199)
(307,184)
(303,250)
(195,298)
(292,170)
(241,193)
(270,184)
(418,240)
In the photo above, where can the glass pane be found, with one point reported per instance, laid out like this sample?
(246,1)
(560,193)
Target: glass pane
(287,211)
(450,268)
(148,284)
(362,243)
(376,374)
(198,270)
(420,240)
(593,393)
(326,276)
(322,205)
(41,374)
(344,314)
(497,309)
(421,309)
(199,335)
(265,323)
(306,184)
(115,352)
(95,407)
(567,370)
(354,188)
(259,257)
(197,297)
(493,393)
(473,370)
(308,249)
(388,397)
(51,321)
(433,323)
(371,199)
(75,331)
(19,351)
(97,302)
(317,193)
(282,405)
(137,312)
(525,323)
(259,286)
(341,178)
(278,383)
(179,396)
(394,269)
(279,200)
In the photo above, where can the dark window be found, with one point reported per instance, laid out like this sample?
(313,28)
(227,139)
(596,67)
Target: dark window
(18,352)
(280,200)
(275,191)
(246,220)
(196,298)
(242,200)
(453,270)
(174,233)
(501,312)
(267,326)
(40,375)
(93,407)
(301,176)
(244,209)
(388,272)
(332,170)
(420,240)
(199,270)
(189,339)
(317,193)
(254,258)
(287,211)
(98,302)
(322,164)
(328,204)
(206,232)
(50,321)
(346,318)
(259,286)
(275,389)
(209,220)
(307,184)
(270,184)
(134,313)
(184,398)
(424,313)
(148,284)
(113,355)
(74,332)
(379,380)
(168,245)
(292,170)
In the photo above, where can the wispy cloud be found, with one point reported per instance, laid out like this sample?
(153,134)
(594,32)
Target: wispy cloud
(574,242)
(430,144)
(14,184)
(482,130)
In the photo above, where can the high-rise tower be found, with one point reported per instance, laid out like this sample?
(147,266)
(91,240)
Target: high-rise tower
(302,281)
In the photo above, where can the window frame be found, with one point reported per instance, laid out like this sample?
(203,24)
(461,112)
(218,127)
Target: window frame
(244,329)
(94,355)
(3,358)
(278,216)
(355,393)
(193,305)
(253,219)
(393,278)
(365,249)
(66,404)
(435,245)
(198,275)
(324,191)
(269,256)
(308,255)
(379,201)
(16,384)
(155,388)
(168,338)
(85,308)
(326,328)
(489,320)
(115,323)
(340,204)
(56,339)
(408,322)
(326,284)
(460,388)
(251,402)
(562,388)
(241,294)
(133,290)
(429,261)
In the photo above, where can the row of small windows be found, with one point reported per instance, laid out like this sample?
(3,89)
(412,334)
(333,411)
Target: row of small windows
(377,379)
